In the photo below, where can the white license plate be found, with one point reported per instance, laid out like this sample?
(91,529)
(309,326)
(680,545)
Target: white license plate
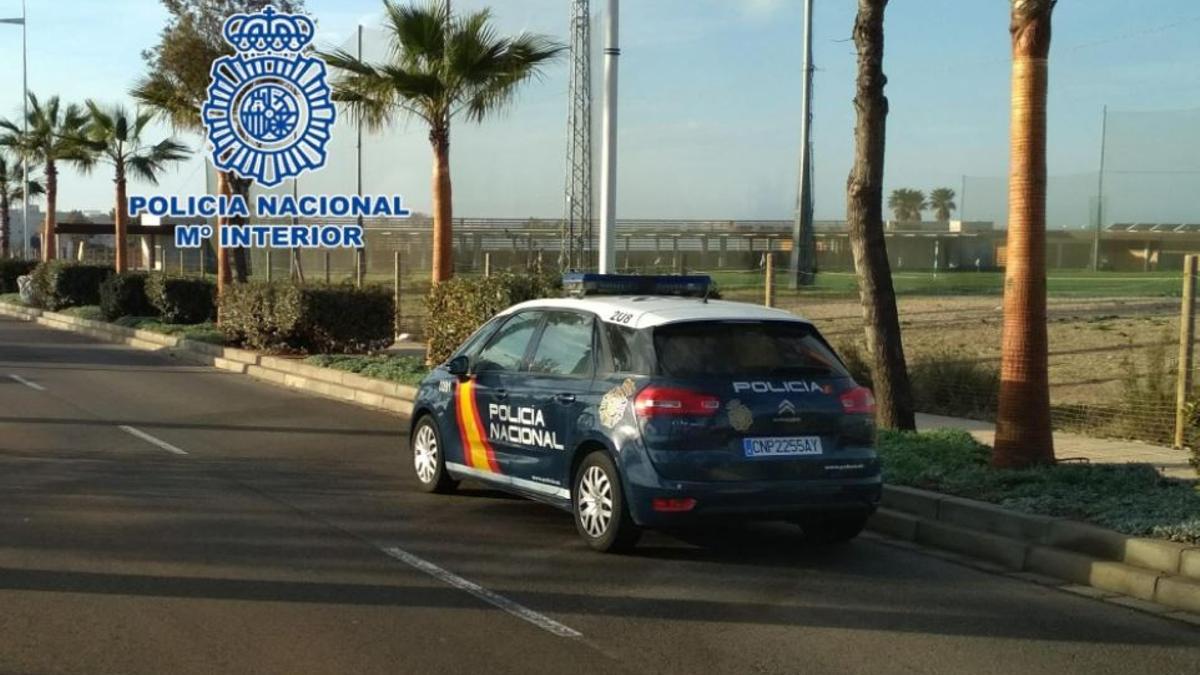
(785,446)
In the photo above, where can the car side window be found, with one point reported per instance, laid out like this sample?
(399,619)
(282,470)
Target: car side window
(566,347)
(626,351)
(477,339)
(506,350)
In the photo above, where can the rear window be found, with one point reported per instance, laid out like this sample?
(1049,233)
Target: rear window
(738,348)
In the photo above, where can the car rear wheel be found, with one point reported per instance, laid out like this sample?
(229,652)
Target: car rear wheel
(429,462)
(601,515)
(833,528)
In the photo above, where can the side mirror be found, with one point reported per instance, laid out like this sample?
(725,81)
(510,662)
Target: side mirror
(459,366)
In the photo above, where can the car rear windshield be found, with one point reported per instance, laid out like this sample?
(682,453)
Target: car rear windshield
(739,348)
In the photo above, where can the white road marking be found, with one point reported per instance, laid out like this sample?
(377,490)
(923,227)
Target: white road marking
(152,440)
(32,385)
(520,611)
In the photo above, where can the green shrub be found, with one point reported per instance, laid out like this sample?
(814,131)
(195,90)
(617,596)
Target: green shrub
(408,370)
(200,332)
(945,384)
(125,295)
(10,270)
(322,319)
(61,283)
(458,307)
(182,300)
(1130,498)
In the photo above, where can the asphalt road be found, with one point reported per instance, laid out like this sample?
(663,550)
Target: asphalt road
(160,518)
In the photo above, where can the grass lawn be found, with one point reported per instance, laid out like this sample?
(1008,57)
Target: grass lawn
(11,299)
(408,370)
(1132,498)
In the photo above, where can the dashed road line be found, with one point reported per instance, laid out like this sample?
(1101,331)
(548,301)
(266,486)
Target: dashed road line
(32,385)
(152,440)
(516,609)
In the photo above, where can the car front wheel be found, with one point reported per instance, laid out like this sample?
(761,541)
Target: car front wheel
(601,515)
(429,462)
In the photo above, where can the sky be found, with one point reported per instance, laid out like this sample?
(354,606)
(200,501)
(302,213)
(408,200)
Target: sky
(709,107)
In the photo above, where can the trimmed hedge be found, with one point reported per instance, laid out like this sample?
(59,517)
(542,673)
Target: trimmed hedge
(10,270)
(312,319)
(458,307)
(125,295)
(182,300)
(61,283)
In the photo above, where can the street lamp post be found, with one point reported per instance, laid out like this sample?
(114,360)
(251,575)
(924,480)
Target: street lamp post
(25,100)
(608,152)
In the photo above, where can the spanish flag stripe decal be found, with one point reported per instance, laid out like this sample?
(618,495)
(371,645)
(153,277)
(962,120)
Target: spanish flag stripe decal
(477,451)
(464,389)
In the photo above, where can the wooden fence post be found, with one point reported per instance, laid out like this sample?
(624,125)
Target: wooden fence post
(1187,334)
(769,299)
(397,292)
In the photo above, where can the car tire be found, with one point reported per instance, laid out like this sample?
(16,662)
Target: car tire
(601,515)
(833,528)
(428,458)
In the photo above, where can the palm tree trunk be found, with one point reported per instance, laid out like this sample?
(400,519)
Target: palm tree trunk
(224,272)
(241,265)
(864,213)
(5,222)
(121,264)
(443,206)
(49,244)
(1023,436)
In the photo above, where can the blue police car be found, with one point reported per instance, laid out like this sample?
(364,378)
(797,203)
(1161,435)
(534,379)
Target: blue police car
(640,403)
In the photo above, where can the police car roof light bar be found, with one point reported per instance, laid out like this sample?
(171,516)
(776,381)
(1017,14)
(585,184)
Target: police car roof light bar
(689,286)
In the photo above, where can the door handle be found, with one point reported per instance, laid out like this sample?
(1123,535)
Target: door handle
(565,398)
(500,394)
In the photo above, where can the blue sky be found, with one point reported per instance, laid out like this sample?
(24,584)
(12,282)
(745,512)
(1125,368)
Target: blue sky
(710,98)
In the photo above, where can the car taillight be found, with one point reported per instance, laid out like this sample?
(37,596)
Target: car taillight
(858,401)
(669,401)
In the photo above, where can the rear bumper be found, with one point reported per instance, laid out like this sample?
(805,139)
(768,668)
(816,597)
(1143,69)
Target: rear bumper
(752,500)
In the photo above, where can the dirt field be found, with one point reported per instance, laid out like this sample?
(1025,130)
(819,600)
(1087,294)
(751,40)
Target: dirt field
(1093,341)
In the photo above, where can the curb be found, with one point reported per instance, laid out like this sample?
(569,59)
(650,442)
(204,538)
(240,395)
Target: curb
(1151,570)
(343,386)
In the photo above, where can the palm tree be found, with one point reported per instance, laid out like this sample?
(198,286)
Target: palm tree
(53,137)
(1023,436)
(907,205)
(941,200)
(443,65)
(116,136)
(11,191)
(864,216)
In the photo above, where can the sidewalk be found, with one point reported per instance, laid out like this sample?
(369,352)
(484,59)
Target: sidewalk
(1169,461)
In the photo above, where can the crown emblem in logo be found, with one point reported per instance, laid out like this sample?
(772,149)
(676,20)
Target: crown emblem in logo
(269,114)
(269,31)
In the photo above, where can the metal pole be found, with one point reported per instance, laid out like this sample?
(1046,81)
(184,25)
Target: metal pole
(608,153)
(180,262)
(802,230)
(1100,194)
(1187,334)
(327,277)
(360,252)
(269,276)
(962,200)
(487,264)
(25,161)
